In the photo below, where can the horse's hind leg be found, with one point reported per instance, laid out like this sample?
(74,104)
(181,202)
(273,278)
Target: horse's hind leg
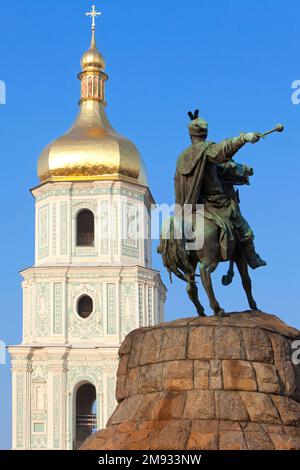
(205,271)
(192,291)
(246,280)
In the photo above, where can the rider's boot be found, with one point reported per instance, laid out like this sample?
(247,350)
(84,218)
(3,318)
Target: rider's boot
(253,258)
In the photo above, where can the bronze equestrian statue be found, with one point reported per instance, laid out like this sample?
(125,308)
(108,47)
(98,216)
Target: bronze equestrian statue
(206,175)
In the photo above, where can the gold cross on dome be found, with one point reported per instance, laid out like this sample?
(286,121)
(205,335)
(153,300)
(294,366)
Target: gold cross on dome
(93,14)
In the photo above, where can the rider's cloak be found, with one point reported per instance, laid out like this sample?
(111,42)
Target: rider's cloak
(189,178)
(190,170)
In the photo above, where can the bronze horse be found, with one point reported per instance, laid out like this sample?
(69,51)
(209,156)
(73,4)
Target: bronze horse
(184,263)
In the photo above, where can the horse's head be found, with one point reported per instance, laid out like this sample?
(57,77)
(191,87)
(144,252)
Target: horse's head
(235,173)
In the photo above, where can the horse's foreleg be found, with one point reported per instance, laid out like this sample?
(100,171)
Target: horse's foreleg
(205,271)
(246,280)
(227,278)
(192,291)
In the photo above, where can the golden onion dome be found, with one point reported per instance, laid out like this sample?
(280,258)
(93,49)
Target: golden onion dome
(92,58)
(92,149)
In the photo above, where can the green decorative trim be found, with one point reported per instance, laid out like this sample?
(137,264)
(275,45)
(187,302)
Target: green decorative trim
(57,409)
(86,251)
(43,231)
(116,229)
(130,239)
(111,401)
(31,310)
(70,418)
(57,308)
(38,416)
(85,328)
(42,309)
(111,309)
(91,192)
(95,275)
(141,305)
(25,310)
(104,223)
(64,228)
(38,442)
(130,253)
(60,192)
(83,372)
(20,411)
(54,228)
(128,308)
(150,305)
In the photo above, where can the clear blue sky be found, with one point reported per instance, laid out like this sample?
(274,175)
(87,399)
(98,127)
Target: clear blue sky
(235,59)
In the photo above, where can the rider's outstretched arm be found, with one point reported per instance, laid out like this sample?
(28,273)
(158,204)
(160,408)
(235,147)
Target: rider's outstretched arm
(225,150)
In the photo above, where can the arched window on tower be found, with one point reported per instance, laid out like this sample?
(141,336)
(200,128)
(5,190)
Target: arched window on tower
(85,228)
(86,415)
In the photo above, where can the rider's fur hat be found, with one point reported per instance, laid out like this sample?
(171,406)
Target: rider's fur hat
(197,126)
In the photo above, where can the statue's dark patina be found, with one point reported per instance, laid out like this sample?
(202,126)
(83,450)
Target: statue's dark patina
(206,174)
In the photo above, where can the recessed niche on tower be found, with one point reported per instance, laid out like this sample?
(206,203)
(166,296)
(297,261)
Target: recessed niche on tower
(85,306)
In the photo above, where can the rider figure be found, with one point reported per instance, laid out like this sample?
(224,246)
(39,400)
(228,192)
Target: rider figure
(198,180)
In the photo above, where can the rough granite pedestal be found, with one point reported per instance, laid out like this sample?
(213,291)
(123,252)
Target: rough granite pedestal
(206,384)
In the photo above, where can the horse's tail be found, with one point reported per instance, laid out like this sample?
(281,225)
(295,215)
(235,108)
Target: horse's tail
(227,279)
(174,255)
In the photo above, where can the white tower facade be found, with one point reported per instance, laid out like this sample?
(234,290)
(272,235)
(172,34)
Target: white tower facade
(92,281)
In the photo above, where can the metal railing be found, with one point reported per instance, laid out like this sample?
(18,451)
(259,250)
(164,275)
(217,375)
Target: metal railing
(87,421)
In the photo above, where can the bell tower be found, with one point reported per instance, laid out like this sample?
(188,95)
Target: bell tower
(92,280)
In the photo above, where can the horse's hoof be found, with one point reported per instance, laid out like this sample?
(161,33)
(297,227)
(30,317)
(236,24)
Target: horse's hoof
(220,313)
(201,314)
(253,307)
(226,280)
